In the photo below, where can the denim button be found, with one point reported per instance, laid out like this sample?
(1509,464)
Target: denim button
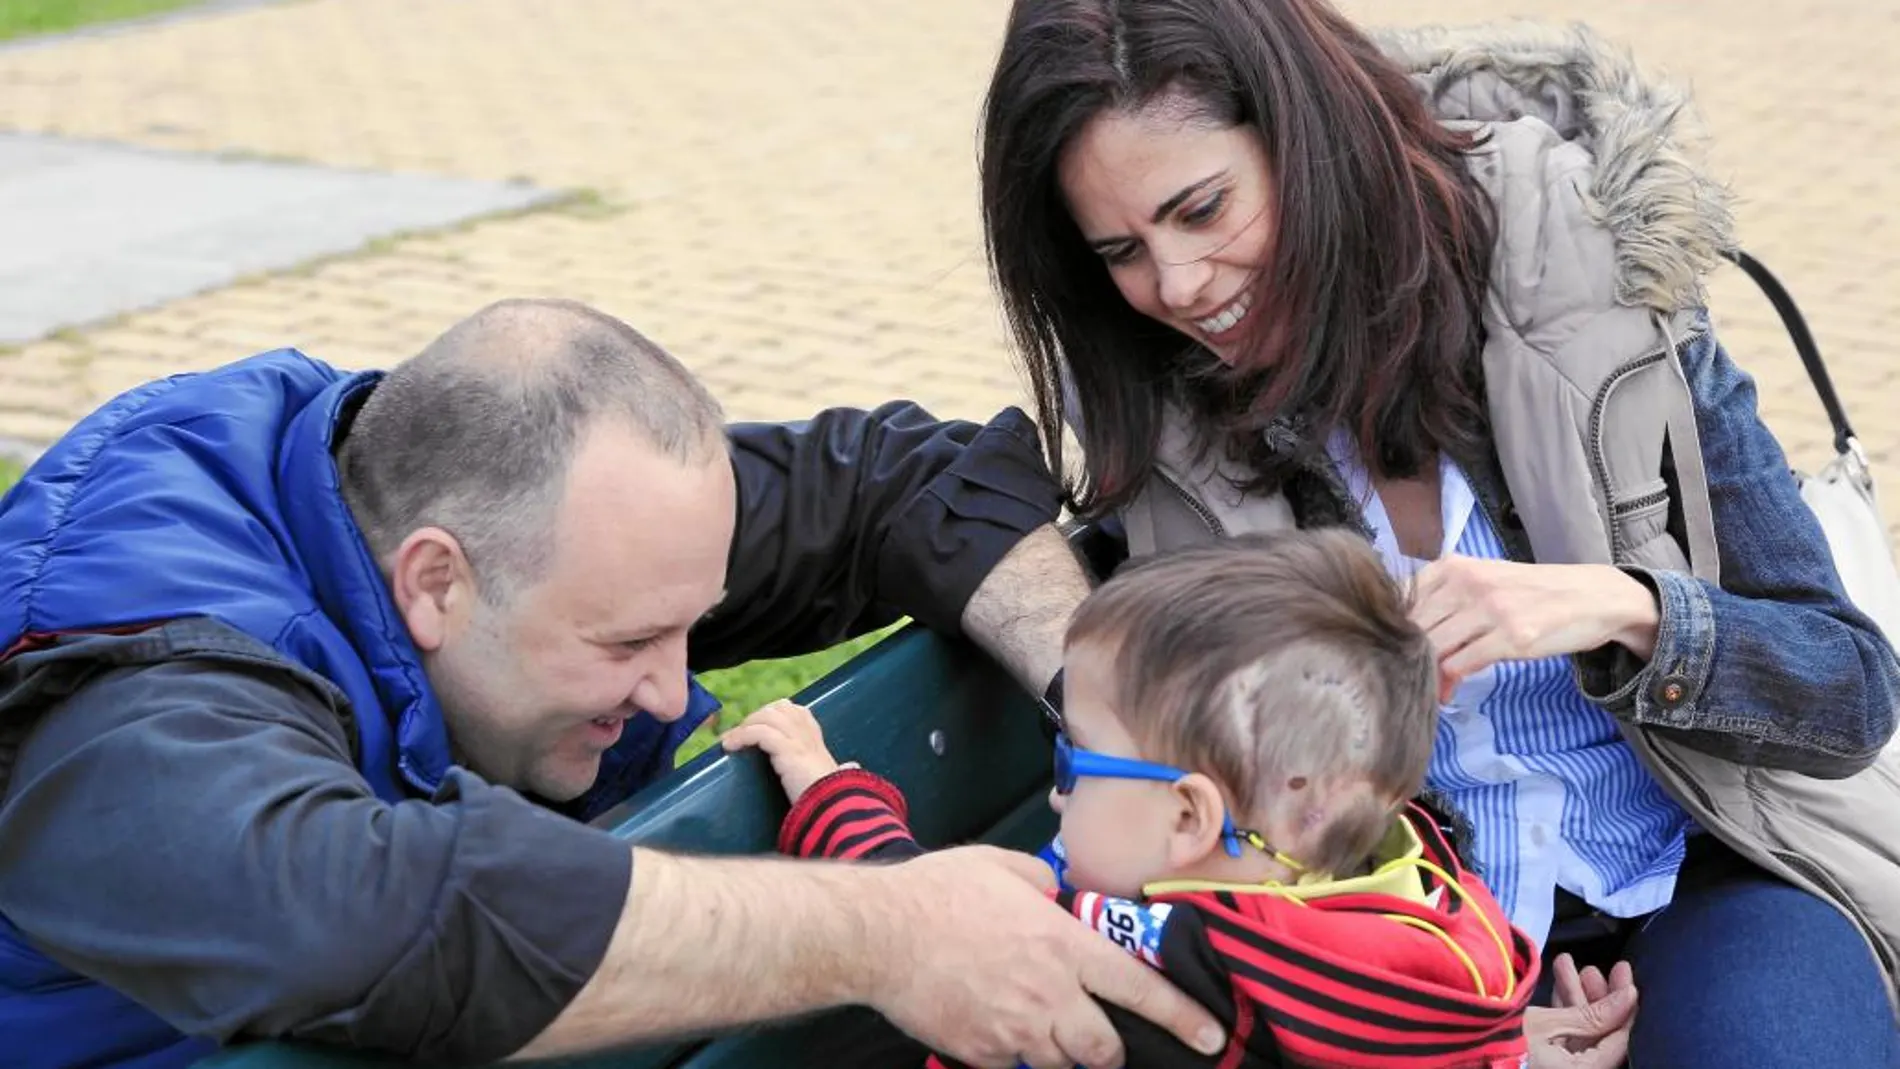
(1671,690)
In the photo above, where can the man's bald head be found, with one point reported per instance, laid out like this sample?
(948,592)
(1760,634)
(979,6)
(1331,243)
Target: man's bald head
(475,433)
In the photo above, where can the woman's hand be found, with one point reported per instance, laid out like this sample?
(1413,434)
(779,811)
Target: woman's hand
(1479,612)
(1590,1026)
(790,736)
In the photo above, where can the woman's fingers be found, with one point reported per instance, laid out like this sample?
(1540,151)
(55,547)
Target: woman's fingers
(1470,642)
(1434,598)
(1483,651)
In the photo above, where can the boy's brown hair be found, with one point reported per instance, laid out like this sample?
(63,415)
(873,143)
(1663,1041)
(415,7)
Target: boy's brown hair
(1287,668)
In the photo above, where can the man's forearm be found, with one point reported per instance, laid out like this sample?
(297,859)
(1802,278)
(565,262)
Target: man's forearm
(693,930)
(1021,611)
(961,949)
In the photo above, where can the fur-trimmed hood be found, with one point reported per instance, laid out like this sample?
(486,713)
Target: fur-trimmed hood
(1669,219)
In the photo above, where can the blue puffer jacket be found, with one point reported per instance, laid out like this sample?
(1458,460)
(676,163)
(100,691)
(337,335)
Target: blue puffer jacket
(215,495)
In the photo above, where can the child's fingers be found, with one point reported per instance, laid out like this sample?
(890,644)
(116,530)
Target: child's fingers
(1622,976)
(780,716)
(1594,984)
(784,709)
(1569,986)
(765,736)
(792,718)
(796,722)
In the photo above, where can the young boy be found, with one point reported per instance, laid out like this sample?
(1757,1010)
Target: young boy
(1243,726)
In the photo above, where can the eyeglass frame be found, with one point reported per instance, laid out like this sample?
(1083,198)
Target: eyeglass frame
(1074,762)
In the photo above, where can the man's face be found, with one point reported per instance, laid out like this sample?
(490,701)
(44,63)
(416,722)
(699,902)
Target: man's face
(536,690)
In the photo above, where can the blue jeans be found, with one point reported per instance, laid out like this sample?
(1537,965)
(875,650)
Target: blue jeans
(1742,971)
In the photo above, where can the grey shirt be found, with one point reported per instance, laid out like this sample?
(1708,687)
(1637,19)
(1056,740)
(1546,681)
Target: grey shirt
(245,880)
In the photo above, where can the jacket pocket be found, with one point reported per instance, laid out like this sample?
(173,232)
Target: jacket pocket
(1641,519)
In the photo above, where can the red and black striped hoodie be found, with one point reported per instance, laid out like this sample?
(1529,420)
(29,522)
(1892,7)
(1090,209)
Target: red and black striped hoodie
(1394,971)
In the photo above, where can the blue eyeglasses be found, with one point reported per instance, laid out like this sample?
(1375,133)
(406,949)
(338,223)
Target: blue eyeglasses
(1073,762)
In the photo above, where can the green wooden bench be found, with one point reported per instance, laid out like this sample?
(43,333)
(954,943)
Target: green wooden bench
(938,717)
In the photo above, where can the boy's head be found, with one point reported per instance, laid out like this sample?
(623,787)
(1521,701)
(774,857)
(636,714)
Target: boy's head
(1283,673)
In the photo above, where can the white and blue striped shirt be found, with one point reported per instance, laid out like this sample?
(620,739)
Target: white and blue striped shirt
(1555,796)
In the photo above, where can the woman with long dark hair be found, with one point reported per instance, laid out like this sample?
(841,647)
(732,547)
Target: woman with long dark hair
(1445,287)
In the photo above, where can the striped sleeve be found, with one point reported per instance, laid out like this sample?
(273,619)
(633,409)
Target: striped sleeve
(850,815)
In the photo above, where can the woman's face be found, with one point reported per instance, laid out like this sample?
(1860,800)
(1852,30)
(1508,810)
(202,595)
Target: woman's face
(1180,209)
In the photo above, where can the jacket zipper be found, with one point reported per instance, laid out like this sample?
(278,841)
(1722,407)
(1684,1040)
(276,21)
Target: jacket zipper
(1682,774)
(1208,519)
(1599,467)
(1624,508)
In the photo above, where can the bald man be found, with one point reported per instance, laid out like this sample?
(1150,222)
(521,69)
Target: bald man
(311,681)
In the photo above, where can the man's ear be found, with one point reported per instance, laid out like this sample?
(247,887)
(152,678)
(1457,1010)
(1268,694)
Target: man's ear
(1199,814)
(433,586)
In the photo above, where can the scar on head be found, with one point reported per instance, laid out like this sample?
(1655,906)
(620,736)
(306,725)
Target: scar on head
(1329,679)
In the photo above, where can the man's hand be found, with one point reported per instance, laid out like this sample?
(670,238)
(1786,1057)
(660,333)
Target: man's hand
(789,734)
(1590,1029)
(1479,612)
(984,968)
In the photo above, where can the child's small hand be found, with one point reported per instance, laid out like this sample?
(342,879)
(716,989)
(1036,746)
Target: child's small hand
(790,736)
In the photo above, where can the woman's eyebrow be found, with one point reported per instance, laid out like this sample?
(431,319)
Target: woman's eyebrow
(1178,199)
(1160,213)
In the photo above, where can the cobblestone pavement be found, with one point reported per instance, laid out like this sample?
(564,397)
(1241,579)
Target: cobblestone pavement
(784,193)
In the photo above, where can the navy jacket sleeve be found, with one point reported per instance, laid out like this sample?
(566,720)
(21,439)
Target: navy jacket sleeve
(195,836)
(853,519)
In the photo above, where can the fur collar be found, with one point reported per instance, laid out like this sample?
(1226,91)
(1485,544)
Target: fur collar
(1670,219)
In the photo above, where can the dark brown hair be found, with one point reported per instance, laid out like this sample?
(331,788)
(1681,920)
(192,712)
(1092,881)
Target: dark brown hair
(1272,663)
(1365,316)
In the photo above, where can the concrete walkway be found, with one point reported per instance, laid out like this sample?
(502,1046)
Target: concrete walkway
(786,192)
(95,230)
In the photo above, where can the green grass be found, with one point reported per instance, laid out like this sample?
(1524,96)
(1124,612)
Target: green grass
(21,18)
(749,686)
(9,473)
